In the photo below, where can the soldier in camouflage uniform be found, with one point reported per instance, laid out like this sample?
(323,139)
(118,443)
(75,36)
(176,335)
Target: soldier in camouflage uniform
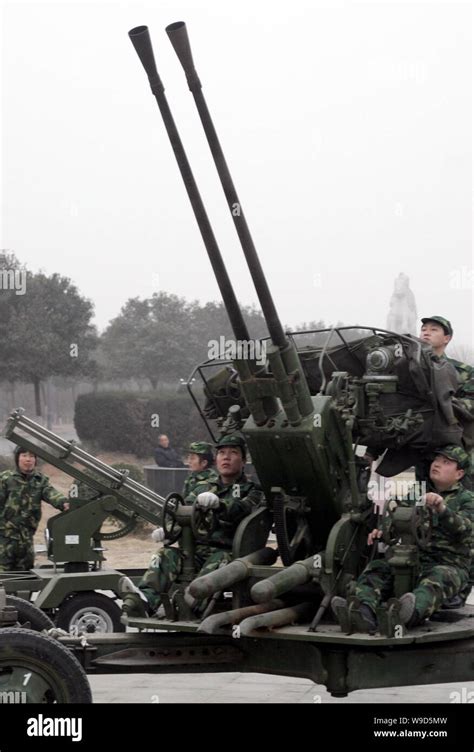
(200,461)
(232,497)
(21,493)
(444,565)
(438,332)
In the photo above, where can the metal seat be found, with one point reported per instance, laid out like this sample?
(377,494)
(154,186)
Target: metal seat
(252,533)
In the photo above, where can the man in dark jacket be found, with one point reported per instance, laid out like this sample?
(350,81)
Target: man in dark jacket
(165,456)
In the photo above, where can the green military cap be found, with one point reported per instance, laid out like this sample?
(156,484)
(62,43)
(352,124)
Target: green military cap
(232,439)
(200,447)
(448,329)
(456,453)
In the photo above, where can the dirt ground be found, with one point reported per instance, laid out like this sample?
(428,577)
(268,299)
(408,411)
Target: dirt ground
(129,551)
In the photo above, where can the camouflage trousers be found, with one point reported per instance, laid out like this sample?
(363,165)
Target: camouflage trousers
(422,471)
(436,584)
(166,566)
(468,481)
(16,554)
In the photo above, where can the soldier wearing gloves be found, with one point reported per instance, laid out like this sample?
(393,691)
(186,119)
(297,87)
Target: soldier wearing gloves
(232,497)
(444,564)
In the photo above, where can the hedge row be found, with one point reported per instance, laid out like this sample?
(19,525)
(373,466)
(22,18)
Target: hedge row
(6,463)
(131,422)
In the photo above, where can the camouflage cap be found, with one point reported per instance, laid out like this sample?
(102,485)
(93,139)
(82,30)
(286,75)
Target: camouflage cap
(456,453)
(448,329)
(233,439)
(200,447)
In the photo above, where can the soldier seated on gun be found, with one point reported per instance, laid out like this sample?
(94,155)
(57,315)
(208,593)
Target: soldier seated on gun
(233,497)
(444,565)
(200,460)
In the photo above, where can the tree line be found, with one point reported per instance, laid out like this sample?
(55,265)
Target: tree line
(46,330)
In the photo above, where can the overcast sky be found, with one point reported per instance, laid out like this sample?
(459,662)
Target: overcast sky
(347,128)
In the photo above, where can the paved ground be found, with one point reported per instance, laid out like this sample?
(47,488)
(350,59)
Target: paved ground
(253,688)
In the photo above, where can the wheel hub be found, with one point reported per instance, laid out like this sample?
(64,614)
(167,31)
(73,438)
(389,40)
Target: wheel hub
(91,621)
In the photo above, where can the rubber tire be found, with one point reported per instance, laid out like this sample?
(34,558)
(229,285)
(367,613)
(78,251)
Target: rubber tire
(69,608)
(29,612)
(42,654)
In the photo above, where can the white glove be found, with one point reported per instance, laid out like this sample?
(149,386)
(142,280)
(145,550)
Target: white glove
(158,535)
(208,500)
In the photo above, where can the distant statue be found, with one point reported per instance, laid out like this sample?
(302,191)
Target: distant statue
(402,317)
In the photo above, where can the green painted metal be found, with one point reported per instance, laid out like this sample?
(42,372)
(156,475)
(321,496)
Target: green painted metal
(59,587)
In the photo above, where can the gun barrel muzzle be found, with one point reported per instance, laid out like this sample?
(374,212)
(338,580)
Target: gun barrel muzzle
(178,36)
(140,38)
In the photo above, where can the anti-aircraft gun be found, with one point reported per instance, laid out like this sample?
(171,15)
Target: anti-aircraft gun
(307,409)
(303,412)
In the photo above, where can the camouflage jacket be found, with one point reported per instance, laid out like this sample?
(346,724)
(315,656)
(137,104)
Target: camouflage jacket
(452,530)
(238,500)
(20,502)
(203,476)
(465,377)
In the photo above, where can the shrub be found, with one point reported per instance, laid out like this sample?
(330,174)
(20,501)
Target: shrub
(6,463)
(131,422)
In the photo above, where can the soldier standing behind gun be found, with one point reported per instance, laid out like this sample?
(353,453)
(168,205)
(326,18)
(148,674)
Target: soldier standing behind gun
(21,493)
(200,461)
(438,332)
(233,497)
